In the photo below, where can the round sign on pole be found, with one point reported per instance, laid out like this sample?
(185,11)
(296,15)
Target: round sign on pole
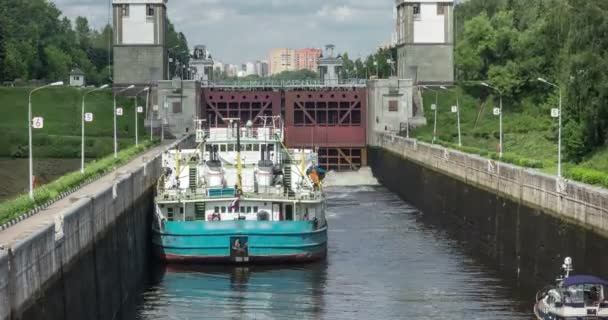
(433,107)
(88,117)
(119,111)
(38,123)
(496,111)
(454,109)
(140,109)
(555,113)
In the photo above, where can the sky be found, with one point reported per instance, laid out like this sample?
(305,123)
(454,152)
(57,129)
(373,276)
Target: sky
(236,31)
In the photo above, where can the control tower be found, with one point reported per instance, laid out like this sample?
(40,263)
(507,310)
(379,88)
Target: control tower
(202,62)
(140,54)
(330,66)
(425,40)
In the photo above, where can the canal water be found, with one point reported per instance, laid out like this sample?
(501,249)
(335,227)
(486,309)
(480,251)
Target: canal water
(384,262)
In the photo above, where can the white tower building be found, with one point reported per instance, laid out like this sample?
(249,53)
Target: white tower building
(425,40)
(140,54)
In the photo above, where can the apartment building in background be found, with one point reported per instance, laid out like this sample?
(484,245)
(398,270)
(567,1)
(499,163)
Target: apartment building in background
(308,58)
(282,59)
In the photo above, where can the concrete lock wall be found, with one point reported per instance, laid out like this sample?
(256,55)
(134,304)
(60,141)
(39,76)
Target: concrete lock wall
(90,261)
(522,221)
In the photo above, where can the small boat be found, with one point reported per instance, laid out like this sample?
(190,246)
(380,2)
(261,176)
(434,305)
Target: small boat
(240,197)
(575,297)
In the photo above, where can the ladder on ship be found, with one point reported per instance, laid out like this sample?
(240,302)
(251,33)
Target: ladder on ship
(199,211)
(192,179)
(287,178)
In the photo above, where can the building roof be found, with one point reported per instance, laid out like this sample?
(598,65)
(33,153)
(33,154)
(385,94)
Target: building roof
(76,72)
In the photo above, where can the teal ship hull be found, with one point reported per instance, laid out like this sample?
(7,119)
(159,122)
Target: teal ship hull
(240,241)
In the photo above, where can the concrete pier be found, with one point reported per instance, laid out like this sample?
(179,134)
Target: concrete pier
(82,256)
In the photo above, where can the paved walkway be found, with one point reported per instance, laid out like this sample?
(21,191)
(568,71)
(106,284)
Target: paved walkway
(46,217)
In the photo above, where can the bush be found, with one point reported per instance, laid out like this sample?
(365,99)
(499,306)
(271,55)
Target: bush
(589,176)
(20,205)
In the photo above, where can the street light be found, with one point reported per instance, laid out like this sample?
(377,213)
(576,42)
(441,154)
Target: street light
(115,137)
(500,146)
(169,61)
(82,125)
(29,120)
(559,139)
(136,124)
(435,111)
(377,72)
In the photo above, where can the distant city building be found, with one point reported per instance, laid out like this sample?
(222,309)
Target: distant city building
(425,40)
(77,78)
(231,70)
(241,74)
(308,59)
(261,68)
(282,59)
(202,62)
(250,69)
(140,55)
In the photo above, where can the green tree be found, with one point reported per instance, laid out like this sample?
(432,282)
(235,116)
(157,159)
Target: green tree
(58,63)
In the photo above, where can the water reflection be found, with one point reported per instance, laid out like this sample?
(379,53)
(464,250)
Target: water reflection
(225,292)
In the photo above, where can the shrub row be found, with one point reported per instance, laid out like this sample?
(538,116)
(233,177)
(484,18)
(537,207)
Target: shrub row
(14,208)
(589,176)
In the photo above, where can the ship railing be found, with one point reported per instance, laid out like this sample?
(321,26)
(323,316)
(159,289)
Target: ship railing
(224,134)
(188,194)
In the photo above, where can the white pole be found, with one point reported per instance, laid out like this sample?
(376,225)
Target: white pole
(435,119)
(458,116)
(500,125)
(115,141)
(31,166)
(559,140)
(162,121)
(150,112)
(136,129)
(82,137)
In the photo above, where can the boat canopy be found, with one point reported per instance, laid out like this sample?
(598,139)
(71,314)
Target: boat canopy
(583,279)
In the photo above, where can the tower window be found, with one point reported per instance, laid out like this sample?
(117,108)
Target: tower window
(125,10)
(440,9)
(149,10)
(416,9)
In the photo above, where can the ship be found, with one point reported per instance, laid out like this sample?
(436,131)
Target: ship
(240,196)
(573,297)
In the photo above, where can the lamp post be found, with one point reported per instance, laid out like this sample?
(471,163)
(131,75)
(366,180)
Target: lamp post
(559,134)
(500,145)
(29,120)
(136,113)
(377,69)
(82,120)
(435,110)
(150,112)
(115,137)
(458,117)
(169,61)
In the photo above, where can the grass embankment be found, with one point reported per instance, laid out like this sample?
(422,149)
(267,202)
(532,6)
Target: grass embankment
(22,204)
(61,135)
(529,134)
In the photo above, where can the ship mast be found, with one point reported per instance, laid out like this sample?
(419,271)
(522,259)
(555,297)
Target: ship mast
(238,158)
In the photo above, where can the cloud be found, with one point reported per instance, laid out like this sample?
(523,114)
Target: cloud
(240,30)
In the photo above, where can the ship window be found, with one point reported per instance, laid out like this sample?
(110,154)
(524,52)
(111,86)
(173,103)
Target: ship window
(249,147)
(216,209)
(256,147)
(181,209)
(248,209)
(223,209)
(150,10)
(230,147)
(242,209)
(255,209)
(223,148)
